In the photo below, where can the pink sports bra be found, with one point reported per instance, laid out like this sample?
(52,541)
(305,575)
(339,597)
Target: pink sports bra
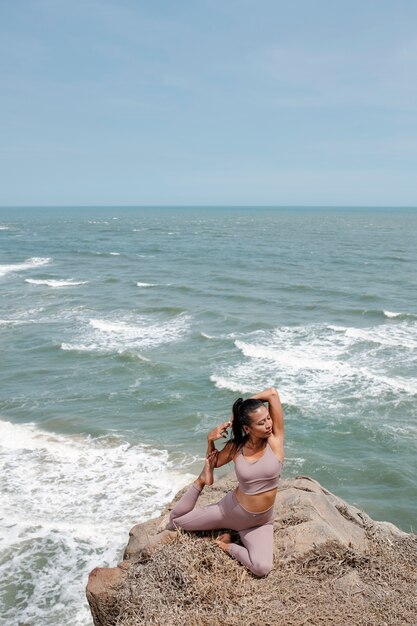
(260,475)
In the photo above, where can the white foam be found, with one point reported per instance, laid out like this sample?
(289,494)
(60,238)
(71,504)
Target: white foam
(132,335)
(56,283)
(114,253)
(67,505)
(319,366)
(394,382)
(296,359)
(394,336)
(4,227)
(391,314)
(338,329)
(26,265)
(222,382)
(138,284)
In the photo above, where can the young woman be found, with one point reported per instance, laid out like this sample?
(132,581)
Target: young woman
(257,449)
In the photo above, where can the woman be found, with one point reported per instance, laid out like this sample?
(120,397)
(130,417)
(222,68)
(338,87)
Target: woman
(257,449)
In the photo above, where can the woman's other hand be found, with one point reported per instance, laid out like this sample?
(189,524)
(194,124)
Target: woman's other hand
(219,431)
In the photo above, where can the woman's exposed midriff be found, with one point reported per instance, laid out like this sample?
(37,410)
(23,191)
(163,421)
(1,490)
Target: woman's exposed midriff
(257,503)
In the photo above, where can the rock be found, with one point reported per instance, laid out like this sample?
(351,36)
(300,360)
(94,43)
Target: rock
(322,535)
(349,583)
(139,536)
(307,515)
(100,590)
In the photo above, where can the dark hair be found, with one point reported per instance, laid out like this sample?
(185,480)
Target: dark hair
(242,410)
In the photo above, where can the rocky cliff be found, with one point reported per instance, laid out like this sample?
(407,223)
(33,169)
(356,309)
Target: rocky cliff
(333,565)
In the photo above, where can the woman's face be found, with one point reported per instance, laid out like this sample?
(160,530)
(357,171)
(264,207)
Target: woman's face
(261,423)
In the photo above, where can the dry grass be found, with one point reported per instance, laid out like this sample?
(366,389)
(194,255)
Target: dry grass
(193,583)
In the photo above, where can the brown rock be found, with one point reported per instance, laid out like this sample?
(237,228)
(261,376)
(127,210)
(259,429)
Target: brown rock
(350,583)
(314,531)
(139,536)
(307,515)
(100,591)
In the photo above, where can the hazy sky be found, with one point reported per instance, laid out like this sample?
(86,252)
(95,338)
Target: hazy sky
(274,102)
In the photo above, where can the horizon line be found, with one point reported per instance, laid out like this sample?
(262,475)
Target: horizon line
(209,206)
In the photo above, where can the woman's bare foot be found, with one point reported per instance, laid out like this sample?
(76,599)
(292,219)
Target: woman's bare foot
(207,473)
(223,541)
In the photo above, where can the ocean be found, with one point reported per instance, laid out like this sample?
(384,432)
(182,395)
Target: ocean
(127,333)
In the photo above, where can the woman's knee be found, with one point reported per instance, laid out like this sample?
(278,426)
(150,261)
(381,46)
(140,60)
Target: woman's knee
(171,525)
(176,522)
(260,568)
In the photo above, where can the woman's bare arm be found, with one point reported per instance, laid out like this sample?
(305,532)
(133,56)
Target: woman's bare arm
(271,396)
(225,455)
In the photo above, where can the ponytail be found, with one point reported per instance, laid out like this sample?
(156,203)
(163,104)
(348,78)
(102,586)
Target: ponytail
(242,410)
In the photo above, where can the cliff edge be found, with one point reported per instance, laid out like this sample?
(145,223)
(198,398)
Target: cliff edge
(333,565)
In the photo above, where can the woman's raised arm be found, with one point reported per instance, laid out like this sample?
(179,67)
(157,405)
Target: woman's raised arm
(271,396)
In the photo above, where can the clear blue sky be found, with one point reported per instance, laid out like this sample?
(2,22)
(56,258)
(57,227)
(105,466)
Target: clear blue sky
(269,102)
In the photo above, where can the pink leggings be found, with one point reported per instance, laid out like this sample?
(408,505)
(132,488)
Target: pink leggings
(255,529)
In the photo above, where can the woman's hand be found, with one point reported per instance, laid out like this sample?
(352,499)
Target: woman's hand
(219,431)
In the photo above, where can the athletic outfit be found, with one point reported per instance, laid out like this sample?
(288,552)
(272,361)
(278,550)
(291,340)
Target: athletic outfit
(255,529)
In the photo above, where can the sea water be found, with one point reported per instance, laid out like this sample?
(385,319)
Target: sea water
(126,335)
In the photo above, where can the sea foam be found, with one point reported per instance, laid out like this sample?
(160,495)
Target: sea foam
(128,335)
(67,502)
(320,365)
(25,265)
(57,284)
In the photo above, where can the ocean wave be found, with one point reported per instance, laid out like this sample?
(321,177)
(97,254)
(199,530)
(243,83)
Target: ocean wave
(398,335)
(25,265)
(207,336)
(295,359)
(394,336)
(221,382)
(391,314)
(399,316)
(322,365)
(56,283)
(396,383)
(68,500)
(377,314)
(138,284)
(120,336)
(249,380)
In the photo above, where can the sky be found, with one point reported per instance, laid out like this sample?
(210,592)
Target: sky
(208,102)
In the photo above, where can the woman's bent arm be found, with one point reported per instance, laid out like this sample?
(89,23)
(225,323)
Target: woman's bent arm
(271,396)
(224,455)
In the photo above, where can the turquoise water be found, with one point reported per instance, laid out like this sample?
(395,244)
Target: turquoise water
(126,334)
